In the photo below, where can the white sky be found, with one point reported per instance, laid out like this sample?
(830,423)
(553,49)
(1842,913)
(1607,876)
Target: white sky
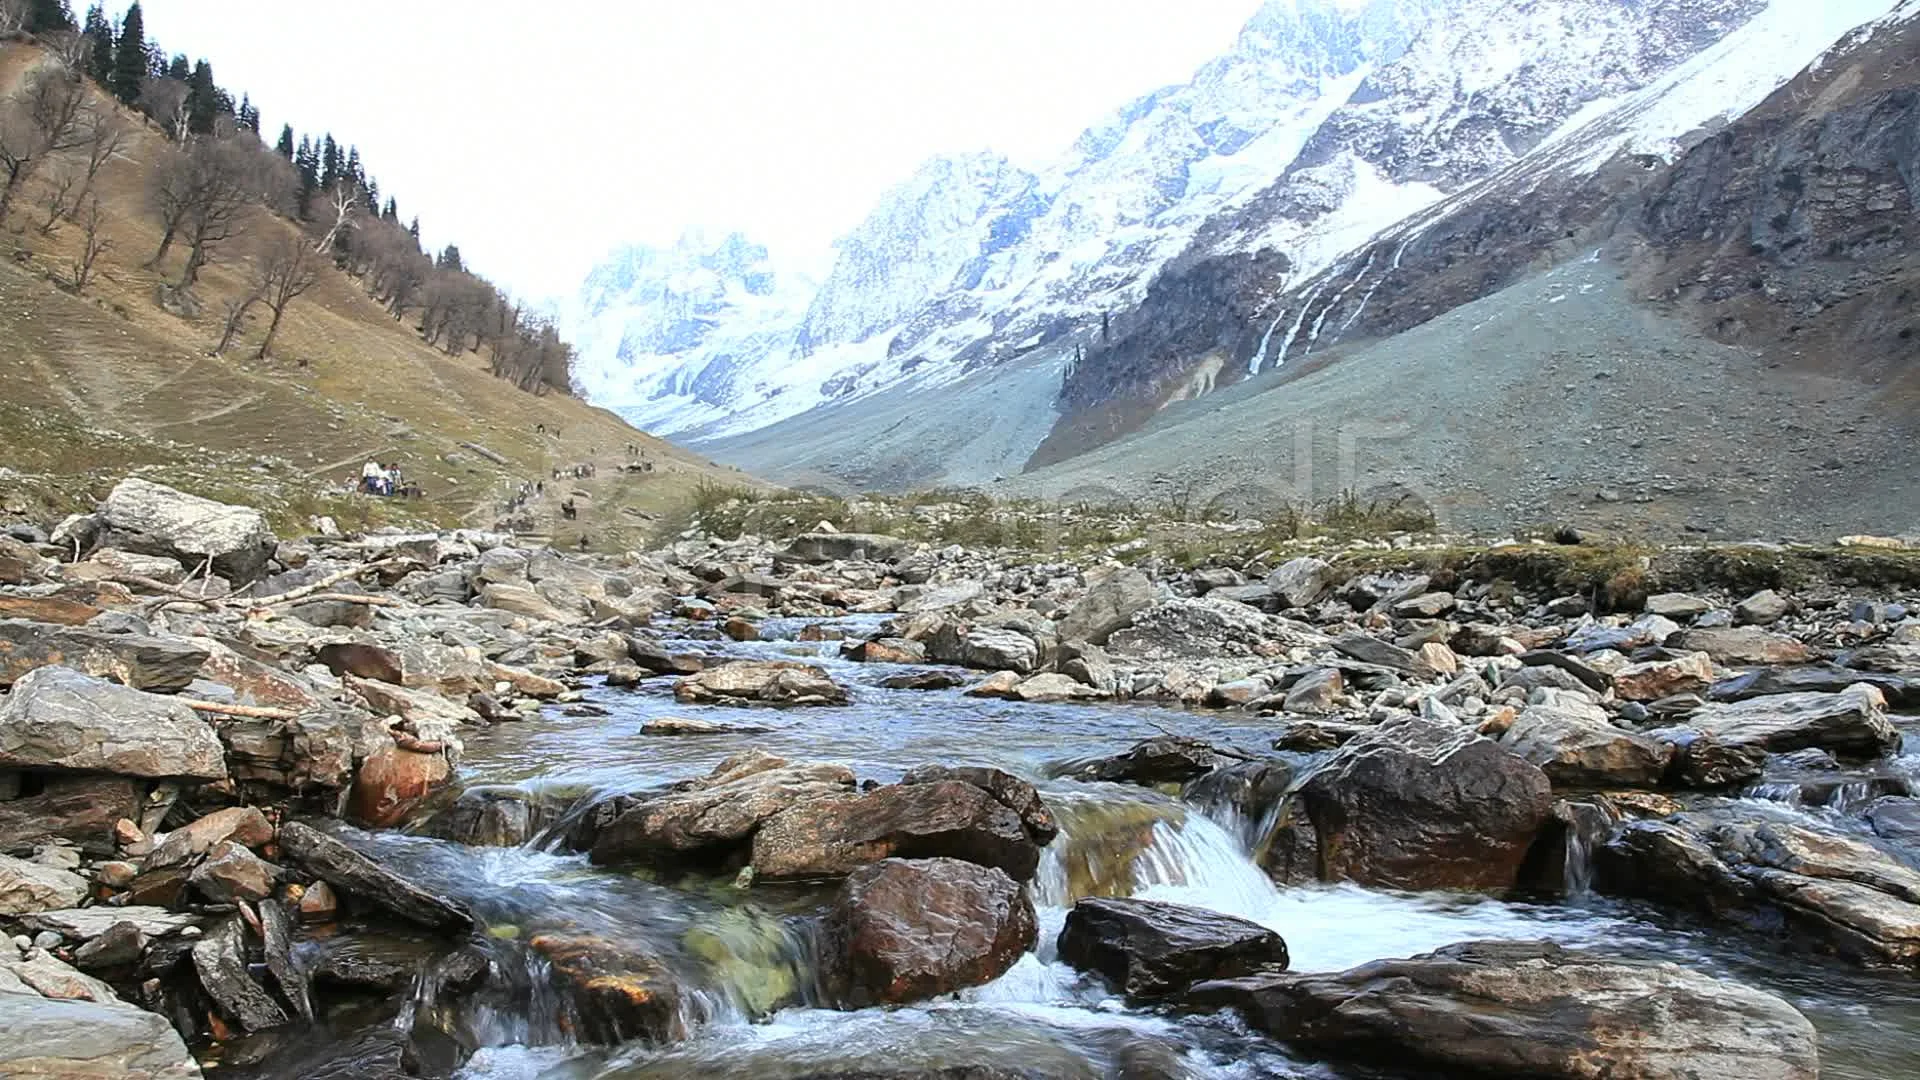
(538,136)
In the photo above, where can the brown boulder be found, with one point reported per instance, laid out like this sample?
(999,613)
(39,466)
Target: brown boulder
(1745,645)
(392,781)
(906,930)
(141,661)
(831,837)
(754,682)
(711,819)
(1150,949)
(612,993)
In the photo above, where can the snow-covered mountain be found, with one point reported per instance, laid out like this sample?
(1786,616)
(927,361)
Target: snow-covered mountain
(1196,217)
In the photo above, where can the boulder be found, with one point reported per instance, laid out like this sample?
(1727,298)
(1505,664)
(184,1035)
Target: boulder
(524,600)
(1001,685)
(824,547)
(1317,693)
(1009,790)
(832,837)
(760,682)
(1745,645)
(1578,747)
(367,661)
(681,725)
(1207,627)
(141,661)
(989,648)
(1652,680)
(1837,893)
(220,959)
(1901,692)
(1678,606)
(1163,759)
(243,824)
(1053,687)
(1416,804)
(1107,607)
(885,651)
(231,873)
(393,781)
(1371,650)
(1530,1010)
(905,930)
(153,519)
(413,706)
(1299,582)
(1150,949)
(1850,724)
(712,818)
(58,718)
(80,808)
(362,879)
(29,886)
(89,1039)
(614,993)
(1763,608)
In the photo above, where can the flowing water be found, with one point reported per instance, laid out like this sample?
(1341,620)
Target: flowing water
(743,957)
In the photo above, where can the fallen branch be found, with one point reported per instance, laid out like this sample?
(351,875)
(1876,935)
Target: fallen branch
(319,586)
(349,598)
(251,712)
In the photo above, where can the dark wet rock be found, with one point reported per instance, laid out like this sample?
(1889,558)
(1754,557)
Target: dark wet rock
(711,819)
(1417,804)
(1706,764)
(1009,790)
(890,650)
(614,993)
(365,970)
(1851,724)
(220,959)
(1308,736)
(1896,818)
(1316,693)
(1533,1010)
(364,881)
(1837,893)
(363,661)
(1579,747)
(650,656)
(1745,645)
(46,1037)
(289,979)
(1108,607)
(924,680)
(1901,692)
(141,661)
(756,682)
(904,930)
(1164,759)
(681,725)
(115,951)
(1244,790)
(1149,949)
(58,718)
(832,837)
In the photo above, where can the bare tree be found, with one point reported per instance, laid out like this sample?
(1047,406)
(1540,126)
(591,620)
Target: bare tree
(93,245)
(165,100)
(343,201)
(13,16)
(71,49)
(236,315)
(40,121)
(201,193)
(284,272)
(59,202)
(105,136)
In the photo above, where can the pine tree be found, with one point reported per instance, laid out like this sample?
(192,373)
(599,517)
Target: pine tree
(130,57)
(307,163)
(47,16)
(373,193)
(179,68)
(203,99)
(450,259)
(413,230)
(246,117)
(392,212)
(351,170)
(99,32)
(285,146)
(329,163)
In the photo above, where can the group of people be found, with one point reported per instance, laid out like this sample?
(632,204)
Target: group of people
(578,472)
(386,480)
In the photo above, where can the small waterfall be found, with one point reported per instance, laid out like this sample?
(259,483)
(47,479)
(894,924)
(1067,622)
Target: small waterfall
(1260,355)
(1136,843)
(1286,343)
(1314,337)
(1578,869)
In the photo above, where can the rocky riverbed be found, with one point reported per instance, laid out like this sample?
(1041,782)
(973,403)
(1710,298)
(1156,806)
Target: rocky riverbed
(849,806)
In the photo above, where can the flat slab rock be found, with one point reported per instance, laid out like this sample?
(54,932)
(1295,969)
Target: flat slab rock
(86,1039)
(1150,949)
(142,661)
(1534,1010)
(59,718)
(366,881)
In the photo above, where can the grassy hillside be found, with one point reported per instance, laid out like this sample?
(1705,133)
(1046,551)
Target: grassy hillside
(98,385)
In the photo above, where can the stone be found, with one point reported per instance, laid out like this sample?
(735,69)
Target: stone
(1416,804)
(1838,893)
(28,887)
(83,1040)
(990,648)
(1150,949)
(760,682)
(1009,790)
(1652,680)
(931,680)
(1299,582)
(1426,606)
(740,629)
(245,825)
(392,782)
(1312,736)
(58,718)
(523,600)
(365,661)
(1648,629)
(833,836)
(1001,684)
(618,994)
(906,930)
(1164,759)
(116,950)
(1371,650)
(885,651)
(220,959)
(1317,693)
(141,661)
(1745,645)
(1900,692)
(713,818)
(681,725)
(78,808)
(1203,628)
(1530,1010)
(1053,687)
(1578,747)
(1851,724)
(318,903)
(1677,606)
(825,547)
(85,924)
(1108,607)
(1763,608)
(413,706)
(231,873)
(257,683)
(913,599)
(364,880)
(153,519)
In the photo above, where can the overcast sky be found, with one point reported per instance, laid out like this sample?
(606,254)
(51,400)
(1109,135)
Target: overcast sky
(538,136)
